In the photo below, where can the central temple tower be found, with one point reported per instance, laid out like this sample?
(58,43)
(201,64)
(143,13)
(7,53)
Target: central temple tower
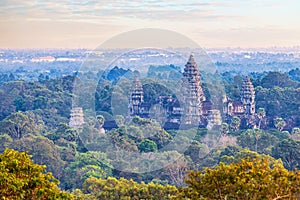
(192,92)
(248,96)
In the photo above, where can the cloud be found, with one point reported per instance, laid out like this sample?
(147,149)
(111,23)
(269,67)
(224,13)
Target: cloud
(91,9)
(247,37)
(212,21)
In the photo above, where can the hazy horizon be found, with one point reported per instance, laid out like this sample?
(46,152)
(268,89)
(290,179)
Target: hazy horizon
(279,48)
(70,24)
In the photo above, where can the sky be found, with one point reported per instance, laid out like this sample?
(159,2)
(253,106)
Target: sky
(88,23)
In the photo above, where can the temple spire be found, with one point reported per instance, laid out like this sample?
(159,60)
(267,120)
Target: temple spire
(76,118)
(191,59)
(193,95)
(248,96)
(136,97)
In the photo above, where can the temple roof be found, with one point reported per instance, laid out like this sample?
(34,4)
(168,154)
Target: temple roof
(247,89)
(237,103)
(191,59)
(137,83)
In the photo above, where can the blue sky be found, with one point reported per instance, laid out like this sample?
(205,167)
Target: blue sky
(86,24)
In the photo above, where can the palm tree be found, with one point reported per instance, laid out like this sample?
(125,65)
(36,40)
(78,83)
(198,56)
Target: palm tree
(257,134)
(261,113)
(279,123)
(235,123)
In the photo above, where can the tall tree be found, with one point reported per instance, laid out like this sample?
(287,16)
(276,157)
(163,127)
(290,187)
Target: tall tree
(261,113)
(18,124)
(288,151)
(224,128)
(235,124)
(248,179)
(147,146)
(257,140)
(114,189)
(85,165)
(22,179)
(279,123)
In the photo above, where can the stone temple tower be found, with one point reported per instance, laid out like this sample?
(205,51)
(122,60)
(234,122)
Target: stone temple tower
(192,92)
(248,96)
(77,118)
(136,97)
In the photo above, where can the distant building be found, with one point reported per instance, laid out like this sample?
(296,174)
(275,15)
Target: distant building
(246,105)
(245,108)
(192,92)
(43,59)
(77,118)
(191,109)
(214,119)
(248,97)
(137,106)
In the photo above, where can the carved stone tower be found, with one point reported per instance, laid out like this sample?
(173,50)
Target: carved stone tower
(76,119)
(192,92)
(214,119)
(248,96)
(136,97)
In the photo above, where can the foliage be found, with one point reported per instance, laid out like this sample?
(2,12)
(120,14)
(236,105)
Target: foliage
(248,179)
(5,141)
(196,151)
(279,123)
(228,153)
(257,140)
(103,96)
(100,120)
(147,146)
(20,178)
(177,171)
(273,79)
(295,130)
(113,188)
(153,90)
(43,151)
(34,116)
(295,74)
(288,151)
(17,124)
(224,128)
(235,124)
(282,102)
(85,165)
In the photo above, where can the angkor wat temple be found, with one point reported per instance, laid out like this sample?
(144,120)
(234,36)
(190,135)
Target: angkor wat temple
(191,108)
